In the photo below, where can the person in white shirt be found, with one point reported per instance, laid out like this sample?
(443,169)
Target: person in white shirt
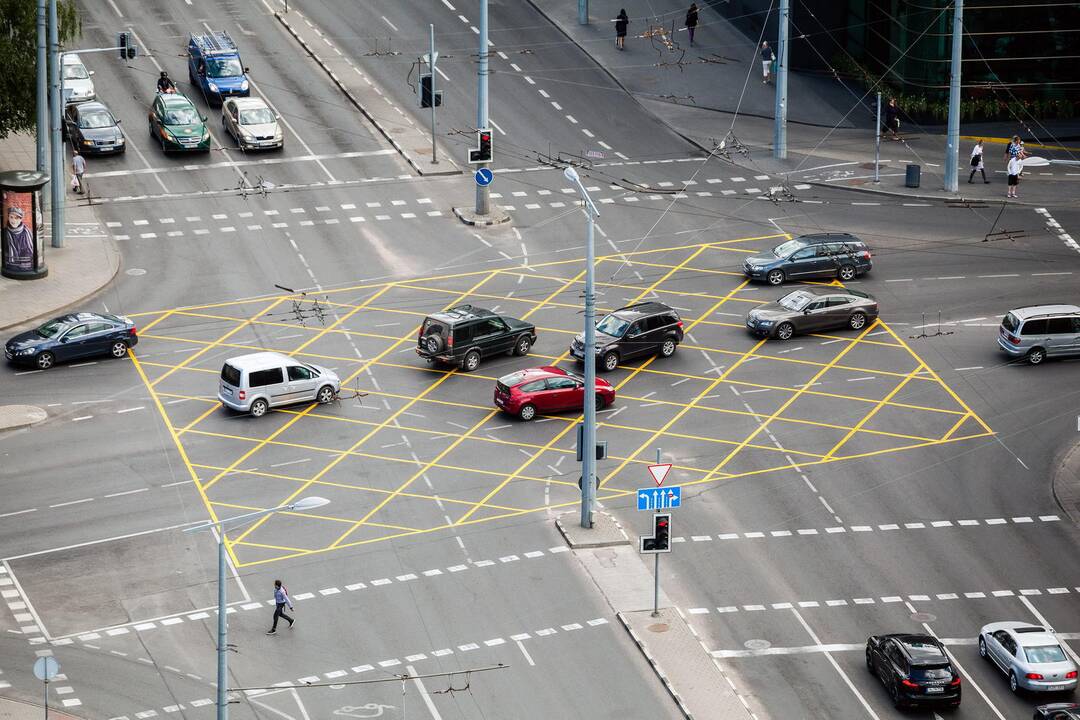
(1015,168)
(977,162)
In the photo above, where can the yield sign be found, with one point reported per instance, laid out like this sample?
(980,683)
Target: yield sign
(659,472)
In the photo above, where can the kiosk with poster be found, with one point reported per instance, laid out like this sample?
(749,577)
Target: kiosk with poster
(22,251)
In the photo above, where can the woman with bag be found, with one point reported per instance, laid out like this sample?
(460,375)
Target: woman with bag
(977,162)
(622,20)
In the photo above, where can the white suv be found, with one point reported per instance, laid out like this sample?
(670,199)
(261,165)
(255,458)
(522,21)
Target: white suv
(257,382)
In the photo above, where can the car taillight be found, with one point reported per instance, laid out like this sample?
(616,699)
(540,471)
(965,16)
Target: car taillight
(243,395)
(134,331)
(1012,338)
(450,340)
(1034,676)
(955,682)
(420,332)
(1071,675)
(908,684)
(680,323)
(864,254)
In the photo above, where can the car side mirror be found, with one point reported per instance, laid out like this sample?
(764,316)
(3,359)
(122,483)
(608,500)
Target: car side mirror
(203,118)
(90,73)
(118,121)
(247,70)
(63,339)
(806,311)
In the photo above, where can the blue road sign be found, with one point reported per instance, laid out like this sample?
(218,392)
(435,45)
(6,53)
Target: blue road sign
(484,176)
(659,498)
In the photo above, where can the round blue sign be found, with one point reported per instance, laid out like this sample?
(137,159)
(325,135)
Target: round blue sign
(484,176)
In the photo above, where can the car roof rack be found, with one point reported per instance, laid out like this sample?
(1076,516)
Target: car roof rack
(214,42)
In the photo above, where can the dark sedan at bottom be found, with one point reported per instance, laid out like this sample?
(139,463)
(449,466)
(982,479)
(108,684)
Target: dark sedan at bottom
(1057,711)
(915,669)
(70,337)
(547,389)
(810,309)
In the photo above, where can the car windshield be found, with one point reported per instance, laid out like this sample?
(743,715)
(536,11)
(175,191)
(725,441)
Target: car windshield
(75,71)
(613,326)
(258,116)
(181,116)
(785,249)
(1044,654)
(98,119)
(796,300)
(50,329)
(223,67)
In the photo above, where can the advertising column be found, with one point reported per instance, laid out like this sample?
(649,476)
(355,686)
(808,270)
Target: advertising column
(22,251)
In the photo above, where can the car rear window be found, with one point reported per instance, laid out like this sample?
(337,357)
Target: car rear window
(230,375)
(432,326)
(1045,654)
(1034,327)
(931,672)
(508,381)
(1010,322)
(260,378)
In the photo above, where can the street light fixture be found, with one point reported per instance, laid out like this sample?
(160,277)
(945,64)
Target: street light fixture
(307,503)
(588,436)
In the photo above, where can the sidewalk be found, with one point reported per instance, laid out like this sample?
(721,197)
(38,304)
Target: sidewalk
(87,263)
(18,710)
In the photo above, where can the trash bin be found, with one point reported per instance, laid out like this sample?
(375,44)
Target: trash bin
(911,180)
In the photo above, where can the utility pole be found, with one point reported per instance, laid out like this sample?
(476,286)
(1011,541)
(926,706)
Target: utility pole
(780,131)
(482,191)
(56,179)
(583,12)
(952,143)
(431,58)
(877,143)
(42,88)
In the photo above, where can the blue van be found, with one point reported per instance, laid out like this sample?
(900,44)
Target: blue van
(214,66)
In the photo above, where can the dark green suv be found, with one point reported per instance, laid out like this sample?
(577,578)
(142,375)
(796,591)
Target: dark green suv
(465,334)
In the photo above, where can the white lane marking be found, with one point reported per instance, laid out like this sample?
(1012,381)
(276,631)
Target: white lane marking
(131,409)
(392,26)
(127,492)
(836,665)
(244,163)
(447,4)
(525,652)
(113,6)
(72,502)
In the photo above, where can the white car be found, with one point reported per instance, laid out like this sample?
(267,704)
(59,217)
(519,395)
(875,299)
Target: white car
(1030,655)
(75,77)
(252,123)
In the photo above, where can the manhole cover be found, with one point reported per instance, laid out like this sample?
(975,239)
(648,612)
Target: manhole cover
(659,627)
(135,271)
(757,644)
(923,617)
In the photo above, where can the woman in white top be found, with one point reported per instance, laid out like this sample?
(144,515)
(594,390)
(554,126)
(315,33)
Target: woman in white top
(977,162)
(1015,167)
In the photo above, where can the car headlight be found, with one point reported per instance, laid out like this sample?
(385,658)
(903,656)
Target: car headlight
(205,132)
(277,133)
(212,86)
(765,323)
(87,142)
(26,351)
(244,85)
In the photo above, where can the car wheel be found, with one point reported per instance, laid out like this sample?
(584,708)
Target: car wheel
(259,408)
(600,402)
(150,127)
(775,277)
(610,361)
(119,349)
(1014,685)
(785,331)
(1036,355)
(471,361)
(433,343)
(527,412)
(523,345)
(982,649)
(45,360)
(667,348)
(897,701)
(326,394)
(857,321)
(846,272)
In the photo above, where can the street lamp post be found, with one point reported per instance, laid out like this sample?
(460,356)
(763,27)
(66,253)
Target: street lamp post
(588,437)
(307,503)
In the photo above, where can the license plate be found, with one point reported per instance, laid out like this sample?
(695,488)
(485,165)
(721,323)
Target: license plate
(934,690)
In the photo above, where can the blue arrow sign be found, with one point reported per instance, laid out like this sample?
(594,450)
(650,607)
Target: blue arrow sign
(659,498)
(484,176)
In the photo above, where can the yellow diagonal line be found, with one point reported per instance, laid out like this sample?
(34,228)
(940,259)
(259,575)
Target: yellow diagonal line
(340,320)
(955,427)
(881,403)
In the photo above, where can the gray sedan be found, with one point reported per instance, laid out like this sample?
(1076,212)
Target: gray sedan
(1029,654)
(810,309)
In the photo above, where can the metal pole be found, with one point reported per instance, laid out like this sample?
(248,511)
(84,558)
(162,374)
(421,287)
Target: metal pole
(482,100)
(877,143)
(656,570)
(780,131)
(42,88)
(46,684)
(431,50)
(222,635)
(952,145)
(588,437)
(583,12)
(56,181)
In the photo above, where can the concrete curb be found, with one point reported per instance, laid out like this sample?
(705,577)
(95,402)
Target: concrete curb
(20,416)
(1065,484)
(470,218)
(920,196)
(356,103)
(655,666)
(606,530)
(12,709)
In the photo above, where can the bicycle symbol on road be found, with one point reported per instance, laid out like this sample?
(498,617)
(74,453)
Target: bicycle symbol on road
(370,710)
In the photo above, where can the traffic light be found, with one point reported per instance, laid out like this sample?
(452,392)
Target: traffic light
(126,42)
(482,154)
(660,542)
(601,445)
(425,92)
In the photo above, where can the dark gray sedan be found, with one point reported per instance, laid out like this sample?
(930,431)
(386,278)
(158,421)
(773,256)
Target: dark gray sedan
(93,129)
(810,309)
(70,337)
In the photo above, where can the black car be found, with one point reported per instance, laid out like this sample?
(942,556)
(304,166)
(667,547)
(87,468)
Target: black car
(915,669)
(73,336)
(93,129)
(464,334)
(647,328)
(1057,711)
(840,255)
(812,308)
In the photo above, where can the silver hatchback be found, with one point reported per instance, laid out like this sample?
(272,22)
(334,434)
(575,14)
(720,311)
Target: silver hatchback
(1037,332)
(1029,654)
(257,382)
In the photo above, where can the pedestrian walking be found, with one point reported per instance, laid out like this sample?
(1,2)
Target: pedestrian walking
(977,163)
(622,21)
(1015,168)
(281,599)
(78,169)
(691,21)
(767,58)
(892,119)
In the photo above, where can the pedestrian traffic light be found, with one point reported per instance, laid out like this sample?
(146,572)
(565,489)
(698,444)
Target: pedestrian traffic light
(126,42)
(425,92)
(660,542)
(482,154)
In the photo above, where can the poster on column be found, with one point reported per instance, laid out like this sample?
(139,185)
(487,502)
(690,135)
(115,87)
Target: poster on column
(21,244)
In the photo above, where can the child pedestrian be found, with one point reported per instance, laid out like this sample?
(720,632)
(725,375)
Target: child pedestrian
(767,58)
(281,599)
(78,168)
(691,21)
(622,20)
(977,162)
(892,119)
(1015,168)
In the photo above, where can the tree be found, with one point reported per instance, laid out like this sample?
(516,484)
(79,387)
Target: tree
(18,59)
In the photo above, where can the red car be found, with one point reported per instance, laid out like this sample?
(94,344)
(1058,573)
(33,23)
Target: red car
(547,389)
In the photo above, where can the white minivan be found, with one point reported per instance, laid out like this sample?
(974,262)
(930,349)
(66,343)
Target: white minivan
(257,382)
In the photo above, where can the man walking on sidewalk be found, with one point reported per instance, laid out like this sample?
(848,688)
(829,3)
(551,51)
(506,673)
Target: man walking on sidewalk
(78,167)
(281,599)
(767,58)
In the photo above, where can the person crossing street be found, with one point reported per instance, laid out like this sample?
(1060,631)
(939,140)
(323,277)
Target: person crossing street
(281,599)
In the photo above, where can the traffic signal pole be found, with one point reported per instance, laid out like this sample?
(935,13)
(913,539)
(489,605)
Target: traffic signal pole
(780,129)
(656,570)
(432,57)
(482,192)
(42,87)
(56,172)
(952,143)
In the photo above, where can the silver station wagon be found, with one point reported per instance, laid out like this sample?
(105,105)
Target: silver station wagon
(1037,332)
(257,382)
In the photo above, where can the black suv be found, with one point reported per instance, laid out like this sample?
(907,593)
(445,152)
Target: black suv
(464,334)
(643,329)
(840,255)
(915,669)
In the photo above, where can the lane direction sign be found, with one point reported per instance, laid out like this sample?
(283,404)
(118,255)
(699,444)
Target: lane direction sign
(659,498)
(483,177)
(659,473)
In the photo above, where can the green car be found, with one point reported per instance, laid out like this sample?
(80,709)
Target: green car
(177,125)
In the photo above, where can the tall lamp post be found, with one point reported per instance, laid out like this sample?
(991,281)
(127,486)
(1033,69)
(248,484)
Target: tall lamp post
(588,436)
(302,504)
